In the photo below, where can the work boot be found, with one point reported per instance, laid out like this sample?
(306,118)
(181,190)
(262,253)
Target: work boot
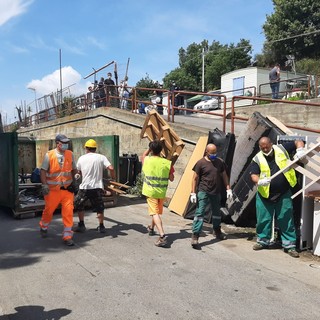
(292,252)
(43,232)
(194,240)
(219,234)
(68,242)
(258,246)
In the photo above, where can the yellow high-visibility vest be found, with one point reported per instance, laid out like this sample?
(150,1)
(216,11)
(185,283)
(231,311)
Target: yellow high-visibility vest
(281,158)
(156,172)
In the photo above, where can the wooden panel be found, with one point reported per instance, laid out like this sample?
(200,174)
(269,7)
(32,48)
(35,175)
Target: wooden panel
(180,199)
(155,127)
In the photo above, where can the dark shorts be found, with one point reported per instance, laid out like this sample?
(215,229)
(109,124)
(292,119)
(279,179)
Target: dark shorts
(93,195)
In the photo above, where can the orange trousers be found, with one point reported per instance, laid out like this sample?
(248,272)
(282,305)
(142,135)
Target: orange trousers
(52,200)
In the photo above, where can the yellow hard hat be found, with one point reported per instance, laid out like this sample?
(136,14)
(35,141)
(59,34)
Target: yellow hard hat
(91,144)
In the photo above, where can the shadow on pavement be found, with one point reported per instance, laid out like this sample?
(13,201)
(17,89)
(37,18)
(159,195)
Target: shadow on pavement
(36,312)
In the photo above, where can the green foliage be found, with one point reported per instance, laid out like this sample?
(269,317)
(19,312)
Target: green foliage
(259,102)
(298,96)
(292,29)
(137,189)
(218,59)
(145,82)
(308,66)
(295,98)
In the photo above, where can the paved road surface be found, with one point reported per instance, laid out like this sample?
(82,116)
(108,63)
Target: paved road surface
(122,275)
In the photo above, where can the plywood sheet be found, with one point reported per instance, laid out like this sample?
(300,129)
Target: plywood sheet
(180,199)
(156,128)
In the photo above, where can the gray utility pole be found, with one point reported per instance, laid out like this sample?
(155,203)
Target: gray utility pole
(203,54)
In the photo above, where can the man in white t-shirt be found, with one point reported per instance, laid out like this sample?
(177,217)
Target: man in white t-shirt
(91,166)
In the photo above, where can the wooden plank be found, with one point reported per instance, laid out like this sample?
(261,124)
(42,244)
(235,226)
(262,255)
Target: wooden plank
(120,184)
(307,173)
(180,198)
(112,188)
(280,125)
(294,162)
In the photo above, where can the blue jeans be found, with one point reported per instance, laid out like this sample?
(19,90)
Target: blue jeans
(275,89)
(203,199)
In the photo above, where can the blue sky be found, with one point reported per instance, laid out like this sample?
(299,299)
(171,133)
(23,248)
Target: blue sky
(92,33)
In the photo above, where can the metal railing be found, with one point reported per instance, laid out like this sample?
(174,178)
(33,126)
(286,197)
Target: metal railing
(137,96)
(307,84)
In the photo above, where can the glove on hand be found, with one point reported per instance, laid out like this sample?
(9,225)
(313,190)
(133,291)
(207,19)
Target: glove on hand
(77,176)
(264,182)
(45,189)
(229,194)
(193,198)
(300,153)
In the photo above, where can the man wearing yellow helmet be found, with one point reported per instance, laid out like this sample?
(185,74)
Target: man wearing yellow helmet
(90,166)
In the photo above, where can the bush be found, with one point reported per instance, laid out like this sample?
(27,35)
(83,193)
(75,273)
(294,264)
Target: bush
(137,189)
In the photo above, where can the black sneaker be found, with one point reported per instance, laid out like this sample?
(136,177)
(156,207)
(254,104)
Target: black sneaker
(80,228)
(43,232)
(219,234)
(101,229)
(68,242)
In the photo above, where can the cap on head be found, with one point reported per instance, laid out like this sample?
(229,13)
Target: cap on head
(109,74)
(62,138)
(91,144)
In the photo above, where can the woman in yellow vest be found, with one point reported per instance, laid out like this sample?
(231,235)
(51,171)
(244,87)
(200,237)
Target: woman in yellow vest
(157,171)
(274,196)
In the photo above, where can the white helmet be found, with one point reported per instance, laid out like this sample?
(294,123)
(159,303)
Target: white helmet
(158,99)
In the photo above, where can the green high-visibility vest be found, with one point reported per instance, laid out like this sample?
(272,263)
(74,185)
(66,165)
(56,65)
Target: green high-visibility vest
(156,172)
(281,158)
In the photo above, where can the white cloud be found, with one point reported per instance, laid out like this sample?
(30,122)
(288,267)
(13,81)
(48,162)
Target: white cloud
(51,82)
(12,8)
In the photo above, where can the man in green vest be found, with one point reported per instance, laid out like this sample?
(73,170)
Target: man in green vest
(274,196)
(157,171)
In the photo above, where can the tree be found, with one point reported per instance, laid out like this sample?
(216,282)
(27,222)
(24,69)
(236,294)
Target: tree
(293,29)
(218,59)
(308,66)
(145,82)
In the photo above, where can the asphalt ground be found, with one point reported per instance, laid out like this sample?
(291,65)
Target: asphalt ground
(123,275)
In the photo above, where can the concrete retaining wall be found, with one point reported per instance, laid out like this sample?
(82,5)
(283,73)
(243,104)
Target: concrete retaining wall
(289,114)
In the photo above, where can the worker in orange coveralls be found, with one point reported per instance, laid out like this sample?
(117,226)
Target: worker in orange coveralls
(57,172)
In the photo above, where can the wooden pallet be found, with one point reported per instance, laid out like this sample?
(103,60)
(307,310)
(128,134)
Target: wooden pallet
(156,128)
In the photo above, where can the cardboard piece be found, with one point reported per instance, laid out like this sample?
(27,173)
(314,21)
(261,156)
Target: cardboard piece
(180,199)
(155,127)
